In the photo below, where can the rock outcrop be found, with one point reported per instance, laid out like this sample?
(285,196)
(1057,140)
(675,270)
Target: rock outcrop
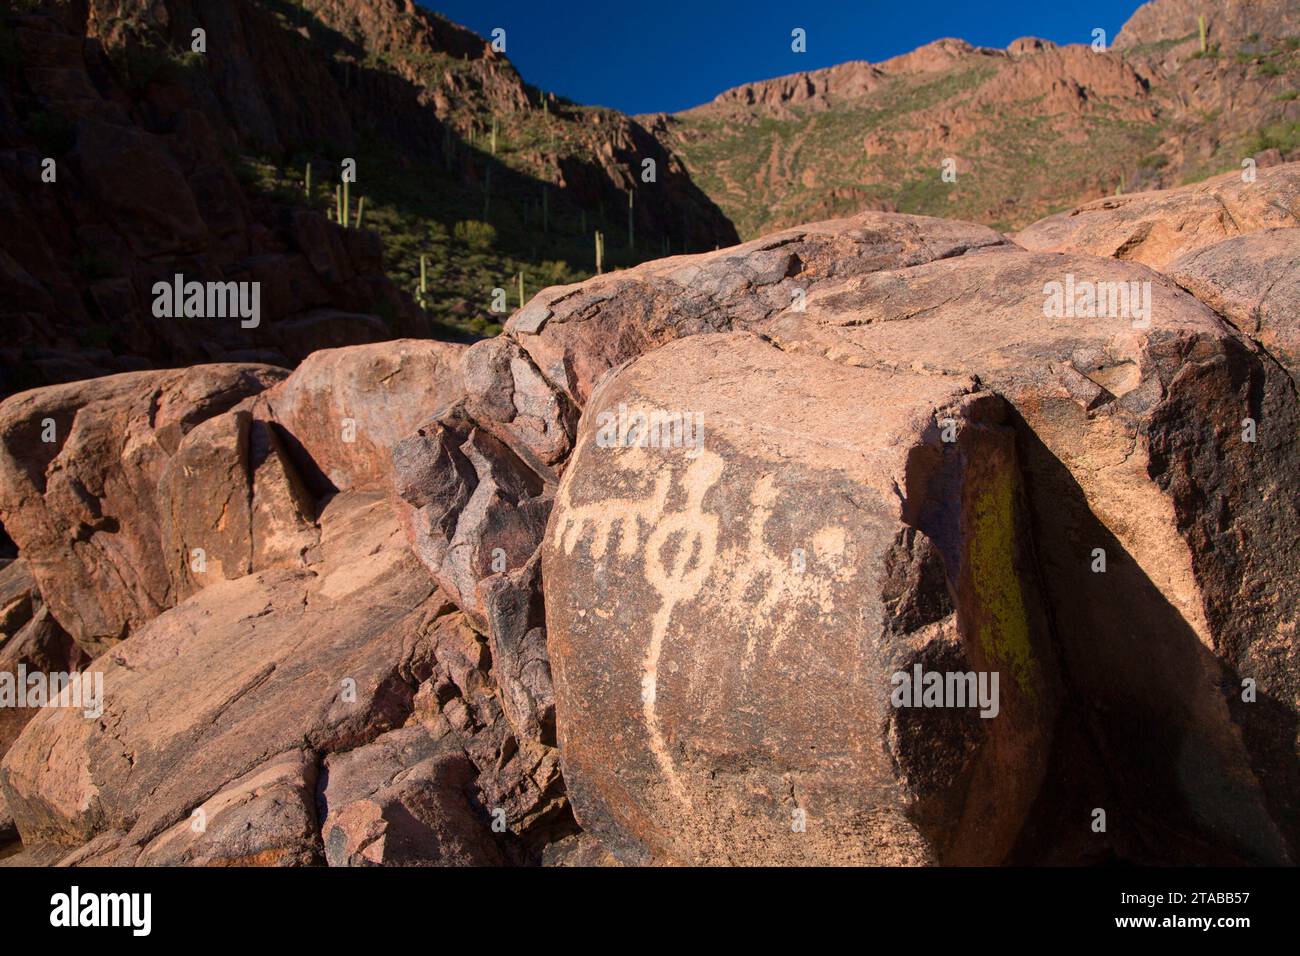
(80,473)
(221,715)
(651,577)
(1131,445)
(1155,228)
(152,485)
(1254,281)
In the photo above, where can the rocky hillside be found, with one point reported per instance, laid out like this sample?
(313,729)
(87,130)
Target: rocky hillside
(1028,130)
(128,156)
(634,582)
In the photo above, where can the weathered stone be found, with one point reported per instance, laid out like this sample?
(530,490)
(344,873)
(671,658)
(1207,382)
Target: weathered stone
(18,595)
(258,666)
(470,505)
(1155,228)
(231,503)
(265,818)
(405,800)
(601,323)
(1254,281)
(343,410)
(39,646)
(83,506)
(724,635)
(1130,442)
(516,619)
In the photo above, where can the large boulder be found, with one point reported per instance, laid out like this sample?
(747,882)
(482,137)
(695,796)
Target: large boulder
(342,410)
(725,616)
(80,466)
(1134,449)
(1155,228)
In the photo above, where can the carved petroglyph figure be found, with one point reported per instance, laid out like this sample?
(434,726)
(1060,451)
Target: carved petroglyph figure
(692,536)
(679,551)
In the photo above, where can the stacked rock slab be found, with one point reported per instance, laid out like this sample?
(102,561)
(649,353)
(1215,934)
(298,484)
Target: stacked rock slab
(1155,228)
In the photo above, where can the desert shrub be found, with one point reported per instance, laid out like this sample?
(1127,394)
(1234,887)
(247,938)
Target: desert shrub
(479,236)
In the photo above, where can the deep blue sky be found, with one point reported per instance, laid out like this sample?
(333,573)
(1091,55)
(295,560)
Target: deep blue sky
(643,56)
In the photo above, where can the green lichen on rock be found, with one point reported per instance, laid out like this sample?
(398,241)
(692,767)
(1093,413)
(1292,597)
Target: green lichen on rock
(1003,622)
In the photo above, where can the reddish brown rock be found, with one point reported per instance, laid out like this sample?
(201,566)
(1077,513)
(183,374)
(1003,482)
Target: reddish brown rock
(343,410)
(470,505)
(1155,228)
(1163,21)
(232,503)
(312,665)
(404,800)
(31,642)
(270,661)
(82,507)
(575,334)
(1254,281)
(1129,440)
(265,818)
(724,633)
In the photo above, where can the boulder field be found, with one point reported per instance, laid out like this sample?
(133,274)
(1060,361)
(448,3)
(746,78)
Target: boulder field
(661,575)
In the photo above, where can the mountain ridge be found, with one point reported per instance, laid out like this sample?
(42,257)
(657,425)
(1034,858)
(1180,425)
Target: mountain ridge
(1152,111)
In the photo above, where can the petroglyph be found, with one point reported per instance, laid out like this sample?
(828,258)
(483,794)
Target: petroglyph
(679,551)
(770,584)
(693,536)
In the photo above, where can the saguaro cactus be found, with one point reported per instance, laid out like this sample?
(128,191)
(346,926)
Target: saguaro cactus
(422,291)
(306,187)
(361,208)
(1200,23)
(600,251)
(521,290)
(494,136)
